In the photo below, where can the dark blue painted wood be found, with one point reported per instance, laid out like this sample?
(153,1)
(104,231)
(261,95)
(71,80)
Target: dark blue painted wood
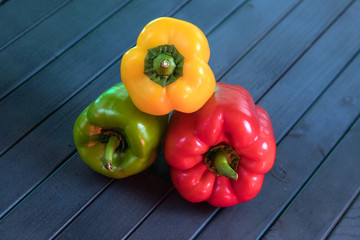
(332,187)
(63,121)
(74,69)
(253,224)
(349,226)
(282,47)
(313,72)
(31,212)
(53,142)
(212,14)
(294,166)
(342,102)
(19,16)
(33,51)
(51,193)
(243,30)
(55,207)
(88,215)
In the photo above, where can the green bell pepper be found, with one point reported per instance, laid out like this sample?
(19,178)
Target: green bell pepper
(116,139)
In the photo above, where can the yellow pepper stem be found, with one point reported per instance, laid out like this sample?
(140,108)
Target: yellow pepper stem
(163,64)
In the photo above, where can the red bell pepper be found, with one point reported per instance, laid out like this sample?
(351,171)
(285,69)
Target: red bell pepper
(221,152)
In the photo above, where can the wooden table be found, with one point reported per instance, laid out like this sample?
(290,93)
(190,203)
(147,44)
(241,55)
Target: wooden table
(298,59)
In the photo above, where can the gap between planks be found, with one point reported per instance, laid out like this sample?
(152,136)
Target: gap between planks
(66,160)
(33,25)
(172,188)
(60,52)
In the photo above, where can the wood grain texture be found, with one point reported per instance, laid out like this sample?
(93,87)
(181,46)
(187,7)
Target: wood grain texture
(298,154)
(29,209)
(264,65)
(62,132)
(243,30)
(119,208)
(73,69)
(57,204)
(301,106)
(311,215)
(64,193)
(160,217)
(47,167)
(85,184)
(33,51)
(314,71)
(19,16)
(299,59)
(349,225)
(213,13)
(53,141)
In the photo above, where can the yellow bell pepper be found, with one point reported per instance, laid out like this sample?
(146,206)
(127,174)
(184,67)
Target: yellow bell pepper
(168,68)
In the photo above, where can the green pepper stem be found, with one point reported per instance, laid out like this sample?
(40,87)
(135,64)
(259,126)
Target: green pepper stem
(223,167)
(110,148)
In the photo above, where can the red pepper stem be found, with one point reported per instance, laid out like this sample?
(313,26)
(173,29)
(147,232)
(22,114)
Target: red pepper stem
(223,167)
(110,148)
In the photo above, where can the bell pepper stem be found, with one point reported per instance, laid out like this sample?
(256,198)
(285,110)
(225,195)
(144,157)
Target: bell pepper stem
(163,64)
(223,167)
(110,148)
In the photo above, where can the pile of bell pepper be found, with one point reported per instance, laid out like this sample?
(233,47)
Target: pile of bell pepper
(217,142)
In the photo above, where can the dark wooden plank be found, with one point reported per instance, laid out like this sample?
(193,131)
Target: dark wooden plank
(40,196)
(62,132)
(58,73)
(209,21)
(59,127)
(314,70)
(85,184)
(216,12)
(22,111)
(253,221)
(89,213)
(244,29)
(284,45)
(175,202)
(59,202)
(298,154)
(48,159)
(53,141)
(43,44)
(349,225)
(332,187)
(57,207)
(19,16)
(114,214)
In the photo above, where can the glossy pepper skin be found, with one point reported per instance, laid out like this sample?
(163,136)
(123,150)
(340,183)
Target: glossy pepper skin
(229,120)
(116,139)
(185,87)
